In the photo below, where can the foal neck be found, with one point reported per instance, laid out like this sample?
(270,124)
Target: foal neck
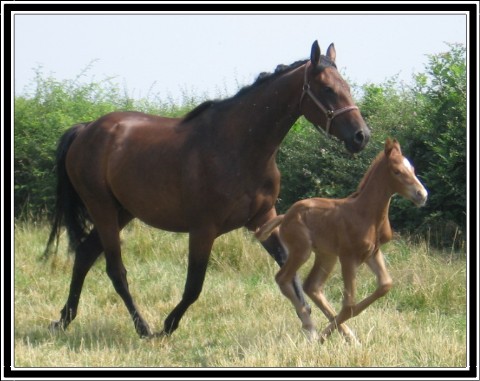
(373,195)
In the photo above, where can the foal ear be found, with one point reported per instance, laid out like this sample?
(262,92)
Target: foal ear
(331,53)
(390,144)
(315,53)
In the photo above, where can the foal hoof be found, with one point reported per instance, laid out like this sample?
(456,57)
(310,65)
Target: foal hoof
(311,334)
(352,339)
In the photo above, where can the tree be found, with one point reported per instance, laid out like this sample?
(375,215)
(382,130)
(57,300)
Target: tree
(441,140)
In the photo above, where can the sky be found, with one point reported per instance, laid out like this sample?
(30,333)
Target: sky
(170,55)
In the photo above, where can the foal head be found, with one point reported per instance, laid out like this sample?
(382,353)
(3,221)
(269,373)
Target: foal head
(326,101)
(402,175)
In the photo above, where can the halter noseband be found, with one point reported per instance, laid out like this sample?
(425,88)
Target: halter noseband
(330,114)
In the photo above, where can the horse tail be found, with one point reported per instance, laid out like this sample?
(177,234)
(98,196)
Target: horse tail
(69,208)
(264,232)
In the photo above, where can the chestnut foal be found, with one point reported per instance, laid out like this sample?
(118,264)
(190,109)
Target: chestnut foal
(352,229)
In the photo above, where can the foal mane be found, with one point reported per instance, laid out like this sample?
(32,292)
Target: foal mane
(367,175)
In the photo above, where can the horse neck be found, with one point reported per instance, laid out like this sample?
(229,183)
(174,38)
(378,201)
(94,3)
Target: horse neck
(373,197)
(266,114)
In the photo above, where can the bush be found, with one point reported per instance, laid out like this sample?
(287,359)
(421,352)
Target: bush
(428,118)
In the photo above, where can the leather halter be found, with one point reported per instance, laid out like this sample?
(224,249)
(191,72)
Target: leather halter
(330,114)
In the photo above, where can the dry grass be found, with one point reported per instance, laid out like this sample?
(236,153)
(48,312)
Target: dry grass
(241,318)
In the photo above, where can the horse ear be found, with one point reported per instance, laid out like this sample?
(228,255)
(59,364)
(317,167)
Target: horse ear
(315,53)
(331,53)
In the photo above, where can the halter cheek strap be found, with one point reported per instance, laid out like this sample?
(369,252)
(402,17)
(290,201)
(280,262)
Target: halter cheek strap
(330,114)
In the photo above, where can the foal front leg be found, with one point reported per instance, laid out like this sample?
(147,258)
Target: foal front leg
(314,285)
(349,270)
(377,264)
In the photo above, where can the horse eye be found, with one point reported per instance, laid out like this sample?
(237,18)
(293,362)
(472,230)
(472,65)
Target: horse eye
(328,90)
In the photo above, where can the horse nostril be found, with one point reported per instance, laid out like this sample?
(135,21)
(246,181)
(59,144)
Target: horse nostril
(359,137)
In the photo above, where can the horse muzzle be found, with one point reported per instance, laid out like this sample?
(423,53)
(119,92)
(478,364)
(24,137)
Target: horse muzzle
(358,141)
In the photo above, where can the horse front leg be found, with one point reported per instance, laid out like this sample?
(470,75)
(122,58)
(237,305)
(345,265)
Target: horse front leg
(200,246)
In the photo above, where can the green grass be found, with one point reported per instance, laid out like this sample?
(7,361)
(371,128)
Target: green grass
(241,319)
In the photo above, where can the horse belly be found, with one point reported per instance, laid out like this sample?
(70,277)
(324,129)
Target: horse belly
(157,203)
(154,197)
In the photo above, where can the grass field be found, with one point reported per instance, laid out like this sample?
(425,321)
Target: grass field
(241,319)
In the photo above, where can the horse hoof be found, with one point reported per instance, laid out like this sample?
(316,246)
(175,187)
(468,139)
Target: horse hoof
(55,326)
(144,333)
(157,335)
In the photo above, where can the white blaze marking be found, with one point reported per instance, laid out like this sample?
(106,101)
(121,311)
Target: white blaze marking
(407,164)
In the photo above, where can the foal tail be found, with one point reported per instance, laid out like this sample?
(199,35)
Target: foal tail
(69,208)
(264,232)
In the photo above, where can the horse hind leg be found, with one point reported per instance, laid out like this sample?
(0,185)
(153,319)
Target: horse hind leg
(85,256)
(109,232)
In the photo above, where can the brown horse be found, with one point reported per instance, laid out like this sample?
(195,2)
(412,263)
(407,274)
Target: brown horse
(352,229)
(205,174)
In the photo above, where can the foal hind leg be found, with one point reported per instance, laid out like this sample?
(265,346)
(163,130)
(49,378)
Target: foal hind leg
(298,255)
(313,287)
(274,247)
(85,256)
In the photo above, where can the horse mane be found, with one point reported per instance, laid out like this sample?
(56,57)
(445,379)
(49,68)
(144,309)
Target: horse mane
(267,77)
(367,175)
(198,110)
(261,79)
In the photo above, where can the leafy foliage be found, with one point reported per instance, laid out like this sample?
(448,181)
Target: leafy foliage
(428,118)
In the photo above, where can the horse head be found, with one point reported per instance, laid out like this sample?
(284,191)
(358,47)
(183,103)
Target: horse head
(326,91)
